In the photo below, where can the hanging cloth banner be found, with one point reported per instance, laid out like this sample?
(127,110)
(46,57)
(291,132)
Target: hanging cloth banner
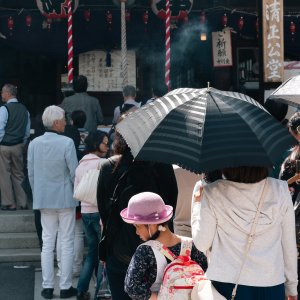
(55,8)
(272,20)
(222,48)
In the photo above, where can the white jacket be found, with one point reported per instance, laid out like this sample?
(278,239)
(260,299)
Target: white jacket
(222,222)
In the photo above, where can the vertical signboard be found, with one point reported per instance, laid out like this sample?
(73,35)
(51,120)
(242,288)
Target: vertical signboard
(273,46)
(222,49)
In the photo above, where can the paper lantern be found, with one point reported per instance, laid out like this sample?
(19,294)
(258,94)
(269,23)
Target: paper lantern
(127,16)
(241,23)
(109,17)
(28,21)
(87,15)
(146,17)
(10,23)
(202,18)
(224,20)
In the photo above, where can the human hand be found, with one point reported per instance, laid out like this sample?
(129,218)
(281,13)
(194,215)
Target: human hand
(154,296)
(292,297)
(198,194)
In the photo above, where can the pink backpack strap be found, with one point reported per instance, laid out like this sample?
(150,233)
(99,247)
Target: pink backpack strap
(186,246)
(162,249)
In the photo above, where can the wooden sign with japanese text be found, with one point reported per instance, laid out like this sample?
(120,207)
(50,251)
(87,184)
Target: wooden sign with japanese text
(102,78)
(222,49)
(273,45)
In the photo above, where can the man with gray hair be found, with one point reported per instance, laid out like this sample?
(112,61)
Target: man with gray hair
(129,94)
(14,133)
(52,162)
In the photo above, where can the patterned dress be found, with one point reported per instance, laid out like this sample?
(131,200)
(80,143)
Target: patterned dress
(141,273)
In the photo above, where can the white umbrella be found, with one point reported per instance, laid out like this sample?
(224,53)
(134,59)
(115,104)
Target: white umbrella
(288,92)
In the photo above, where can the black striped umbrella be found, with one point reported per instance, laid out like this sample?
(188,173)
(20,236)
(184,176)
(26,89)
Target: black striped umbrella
(205,129)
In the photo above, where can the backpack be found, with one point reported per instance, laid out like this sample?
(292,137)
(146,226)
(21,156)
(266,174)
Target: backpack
(120,236)
(181,274)
(125,107)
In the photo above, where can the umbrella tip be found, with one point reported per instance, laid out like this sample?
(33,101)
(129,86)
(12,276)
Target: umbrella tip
(208,84)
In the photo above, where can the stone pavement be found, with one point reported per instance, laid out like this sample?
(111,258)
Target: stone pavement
(38,286)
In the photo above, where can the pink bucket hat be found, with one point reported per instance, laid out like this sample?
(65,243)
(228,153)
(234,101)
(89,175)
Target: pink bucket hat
(146,208)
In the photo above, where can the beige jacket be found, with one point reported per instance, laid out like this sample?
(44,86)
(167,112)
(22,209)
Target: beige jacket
(222,221)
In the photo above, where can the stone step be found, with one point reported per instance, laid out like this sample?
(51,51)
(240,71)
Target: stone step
(18,221)
(20,256)
(18,240)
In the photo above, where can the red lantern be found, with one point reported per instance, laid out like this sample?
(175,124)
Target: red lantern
(28,21)
(185,19)
(109,17)
(145,17)
(224,20)
(241,23)
(202,18)
(10,23)
(49,23)
(127,15)
(257,27)
(87,15)
(292,28)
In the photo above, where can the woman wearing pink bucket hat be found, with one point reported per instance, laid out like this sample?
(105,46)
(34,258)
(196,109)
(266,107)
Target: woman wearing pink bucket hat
(150,216)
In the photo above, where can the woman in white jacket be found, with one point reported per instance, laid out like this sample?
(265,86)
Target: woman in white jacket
(222,215)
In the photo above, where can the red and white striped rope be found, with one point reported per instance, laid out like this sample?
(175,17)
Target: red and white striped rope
(70,42)
(168,45)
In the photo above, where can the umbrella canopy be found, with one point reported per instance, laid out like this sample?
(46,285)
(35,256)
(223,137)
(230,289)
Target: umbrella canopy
(206,129)
(288,92)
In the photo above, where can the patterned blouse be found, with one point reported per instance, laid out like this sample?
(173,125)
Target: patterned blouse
(141,273)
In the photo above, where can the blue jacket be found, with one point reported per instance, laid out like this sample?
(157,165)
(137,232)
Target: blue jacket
(51,170)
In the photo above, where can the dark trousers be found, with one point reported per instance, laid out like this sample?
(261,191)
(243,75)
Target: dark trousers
(245,292)
(116,272)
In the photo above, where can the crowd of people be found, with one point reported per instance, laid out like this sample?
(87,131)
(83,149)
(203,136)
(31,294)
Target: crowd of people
(147,213)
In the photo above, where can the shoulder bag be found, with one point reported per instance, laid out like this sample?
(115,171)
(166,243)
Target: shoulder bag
(86,190)
(204,290)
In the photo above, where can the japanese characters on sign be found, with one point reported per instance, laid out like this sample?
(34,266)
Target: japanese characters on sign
(222,49)
(273,40)
(103,78)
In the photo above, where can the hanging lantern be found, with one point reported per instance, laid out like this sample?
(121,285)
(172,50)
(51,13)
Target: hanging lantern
(127,15)
(241,23)
(56,8)
(257,26)
(48,23)
(146,17)
(224,20)
(202,18)
(87,15)
(109,17)
(179,9)
(293,30)
(10,24)
(185,19)
(28,21)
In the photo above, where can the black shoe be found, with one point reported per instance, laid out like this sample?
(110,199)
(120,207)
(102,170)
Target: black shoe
(83,296)
(70,292)
(47,293)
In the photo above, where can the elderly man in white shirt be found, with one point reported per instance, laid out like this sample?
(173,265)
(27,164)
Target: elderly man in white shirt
(52,162)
